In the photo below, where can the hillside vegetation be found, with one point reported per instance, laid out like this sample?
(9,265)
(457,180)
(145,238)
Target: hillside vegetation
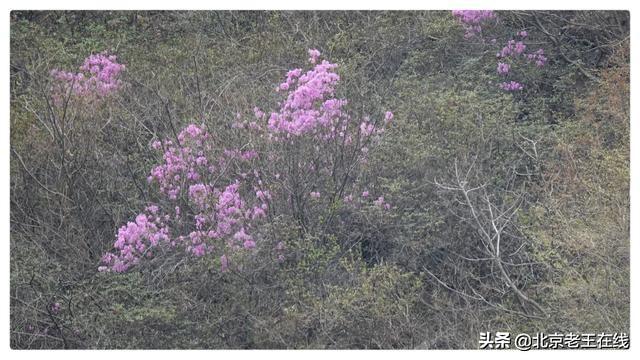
(441,174)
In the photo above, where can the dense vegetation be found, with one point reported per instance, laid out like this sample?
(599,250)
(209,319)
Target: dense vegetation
(441,174)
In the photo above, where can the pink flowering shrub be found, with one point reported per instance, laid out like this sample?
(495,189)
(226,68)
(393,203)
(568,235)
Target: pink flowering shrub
(302,158)
(98,78)
(513,55)
(210,204)
(312,120)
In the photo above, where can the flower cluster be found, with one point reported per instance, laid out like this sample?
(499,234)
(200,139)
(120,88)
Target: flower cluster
(310,109)
(380,202)
(472,20)
(227,219)
(300,113)
(185,160)
(215,199)
(514,49)
(97,79)
(511,86)
(216,218)
(503,68)
(537,57)
(136,239)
